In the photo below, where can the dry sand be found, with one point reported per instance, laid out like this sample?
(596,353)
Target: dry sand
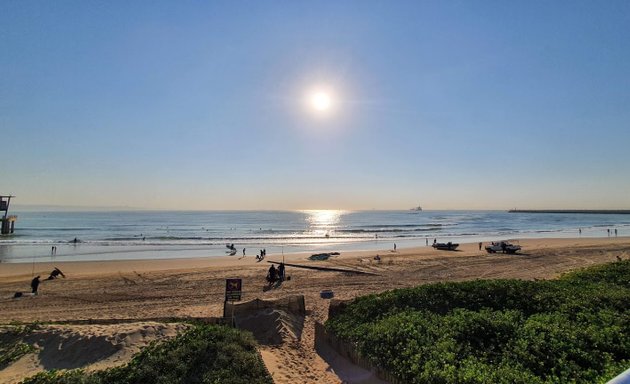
(92,347)
(144,290)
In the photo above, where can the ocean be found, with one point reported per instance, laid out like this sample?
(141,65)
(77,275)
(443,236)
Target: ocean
(171,234)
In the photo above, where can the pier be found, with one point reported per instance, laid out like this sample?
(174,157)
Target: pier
(8,221)
(595,211)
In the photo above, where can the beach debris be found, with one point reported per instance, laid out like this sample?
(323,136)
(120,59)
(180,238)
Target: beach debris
(326,294)
(323,256)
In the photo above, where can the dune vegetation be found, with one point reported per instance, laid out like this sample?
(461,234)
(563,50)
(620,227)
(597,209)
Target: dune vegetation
(572,329)
(11,346)
(205,354)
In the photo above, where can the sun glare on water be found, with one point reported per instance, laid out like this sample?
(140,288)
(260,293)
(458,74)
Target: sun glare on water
(323,222)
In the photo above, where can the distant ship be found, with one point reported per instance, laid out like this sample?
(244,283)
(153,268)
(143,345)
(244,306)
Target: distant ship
(418,208)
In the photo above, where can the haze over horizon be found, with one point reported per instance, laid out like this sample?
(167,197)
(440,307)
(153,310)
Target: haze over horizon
(316,105)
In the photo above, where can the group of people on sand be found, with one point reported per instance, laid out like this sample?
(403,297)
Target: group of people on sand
(275,275)
(261,255)
(37,280)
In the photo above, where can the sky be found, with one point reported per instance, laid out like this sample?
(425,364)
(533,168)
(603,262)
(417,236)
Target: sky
(206,104)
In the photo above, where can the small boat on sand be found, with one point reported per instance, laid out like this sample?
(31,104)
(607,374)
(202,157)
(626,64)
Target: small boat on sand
(446,246)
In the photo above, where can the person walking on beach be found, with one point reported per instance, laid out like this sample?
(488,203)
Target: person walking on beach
(615,232)
(480,245)
(580,231)
(426,241)
(394,247)
(243,251)
(35,284)
(608,231)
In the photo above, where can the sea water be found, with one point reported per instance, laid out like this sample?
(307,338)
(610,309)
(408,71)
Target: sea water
(171,234)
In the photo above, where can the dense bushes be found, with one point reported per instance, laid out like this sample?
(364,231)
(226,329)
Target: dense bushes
(204,354)
(574,329)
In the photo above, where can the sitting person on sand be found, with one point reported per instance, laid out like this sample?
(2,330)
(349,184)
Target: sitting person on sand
(272,275)
(55,273)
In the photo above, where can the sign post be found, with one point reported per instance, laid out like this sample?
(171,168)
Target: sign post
(233,290)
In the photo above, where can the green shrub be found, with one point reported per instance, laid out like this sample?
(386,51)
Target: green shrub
(204,354)
(574,329)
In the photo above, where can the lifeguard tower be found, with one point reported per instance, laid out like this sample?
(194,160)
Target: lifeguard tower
(8,222)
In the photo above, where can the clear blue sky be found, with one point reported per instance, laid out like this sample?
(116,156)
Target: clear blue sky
(201,105)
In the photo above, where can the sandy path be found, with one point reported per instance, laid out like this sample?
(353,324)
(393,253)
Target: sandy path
(150,290)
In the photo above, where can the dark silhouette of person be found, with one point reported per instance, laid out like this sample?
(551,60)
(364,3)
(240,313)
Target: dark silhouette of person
(35,284)
(243,251)
(55,273)
(272,276)
(480,244)
(281,272)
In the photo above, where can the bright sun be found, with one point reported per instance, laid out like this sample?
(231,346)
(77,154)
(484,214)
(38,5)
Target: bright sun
(321,101)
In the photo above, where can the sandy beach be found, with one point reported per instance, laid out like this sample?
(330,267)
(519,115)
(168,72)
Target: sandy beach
(141,291)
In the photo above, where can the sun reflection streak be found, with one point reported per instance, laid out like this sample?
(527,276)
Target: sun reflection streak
(323,221)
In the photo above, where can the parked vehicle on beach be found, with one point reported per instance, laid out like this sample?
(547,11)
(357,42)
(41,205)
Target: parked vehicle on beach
(502,246)
(446,246)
